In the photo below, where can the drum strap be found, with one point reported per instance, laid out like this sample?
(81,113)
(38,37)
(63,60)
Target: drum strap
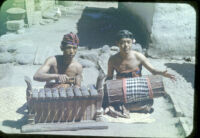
(124,89)
(150,89)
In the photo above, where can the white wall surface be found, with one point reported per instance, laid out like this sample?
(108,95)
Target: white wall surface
(172,27)
(173,30)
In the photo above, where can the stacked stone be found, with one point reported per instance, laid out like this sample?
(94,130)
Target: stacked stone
(15,19)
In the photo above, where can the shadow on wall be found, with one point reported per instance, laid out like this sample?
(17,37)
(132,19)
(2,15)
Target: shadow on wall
(98,26)
(186,70)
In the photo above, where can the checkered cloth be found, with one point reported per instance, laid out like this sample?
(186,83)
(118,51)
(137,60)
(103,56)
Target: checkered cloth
(136,89)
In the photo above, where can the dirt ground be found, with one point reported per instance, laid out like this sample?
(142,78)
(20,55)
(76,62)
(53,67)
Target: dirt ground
(172,116)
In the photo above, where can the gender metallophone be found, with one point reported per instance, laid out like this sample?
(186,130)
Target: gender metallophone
(63,104)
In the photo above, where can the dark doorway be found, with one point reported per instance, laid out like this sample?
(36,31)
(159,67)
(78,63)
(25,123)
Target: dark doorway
(98,27)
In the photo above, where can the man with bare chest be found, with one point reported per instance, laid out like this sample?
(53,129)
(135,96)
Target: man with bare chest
(62,68)
(127,64)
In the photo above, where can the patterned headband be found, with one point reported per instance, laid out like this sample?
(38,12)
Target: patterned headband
(70,38)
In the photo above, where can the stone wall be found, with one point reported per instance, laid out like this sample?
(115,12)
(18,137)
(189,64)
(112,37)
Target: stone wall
(173,31)
(66,3)
(35,8)
(45,4)
(172,27)
(30,10)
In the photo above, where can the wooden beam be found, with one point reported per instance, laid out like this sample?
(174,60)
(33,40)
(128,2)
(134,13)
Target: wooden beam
(42,127)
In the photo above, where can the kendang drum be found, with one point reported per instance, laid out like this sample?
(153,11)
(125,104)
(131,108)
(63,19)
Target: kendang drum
(130,90)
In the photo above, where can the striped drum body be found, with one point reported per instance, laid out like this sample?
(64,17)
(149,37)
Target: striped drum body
(130,90)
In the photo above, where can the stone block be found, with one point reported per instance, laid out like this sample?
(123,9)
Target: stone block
(5,70)
(21,31)
(19,3)
(6,58)
(16,13)
(24,59)
(11,48)
(46,21)
(114,48)
(66,3)
(25,46)
(86,63)
(49,14)
(15,25)
(105,49)
(2,48)
(45,4)
(37,17)
(90,55)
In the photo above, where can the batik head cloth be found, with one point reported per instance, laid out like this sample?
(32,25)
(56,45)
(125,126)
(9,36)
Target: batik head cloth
(70,38)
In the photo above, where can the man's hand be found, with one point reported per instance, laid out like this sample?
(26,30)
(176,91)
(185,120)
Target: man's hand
(168,75)
(62,78)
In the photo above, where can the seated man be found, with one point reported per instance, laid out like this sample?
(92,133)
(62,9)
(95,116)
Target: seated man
(127,65)
(62,68)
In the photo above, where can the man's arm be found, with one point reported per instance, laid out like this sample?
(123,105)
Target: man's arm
(78,77)
(42,73)
(149,67)
(110,69)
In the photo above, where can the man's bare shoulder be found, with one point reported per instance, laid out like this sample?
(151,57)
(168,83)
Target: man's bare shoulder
(139,56)
(51,60)
(136,53)
(114,57)
(77,64)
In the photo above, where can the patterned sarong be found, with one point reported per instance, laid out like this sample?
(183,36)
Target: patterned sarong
(137,89)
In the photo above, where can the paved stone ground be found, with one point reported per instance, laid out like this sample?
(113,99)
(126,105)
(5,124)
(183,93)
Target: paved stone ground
(171,115)
(13,115)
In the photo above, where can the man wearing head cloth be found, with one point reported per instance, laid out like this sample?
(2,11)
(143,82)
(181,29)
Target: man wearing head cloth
(62,69)
(127,64)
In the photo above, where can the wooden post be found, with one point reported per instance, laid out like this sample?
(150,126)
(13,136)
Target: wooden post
(29,4)
(56,104)
(78,104)
(42,127)
(39,108)
(100,89)
(94,95)
(63,97)
(83,104)
(48,98)
(70,104)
